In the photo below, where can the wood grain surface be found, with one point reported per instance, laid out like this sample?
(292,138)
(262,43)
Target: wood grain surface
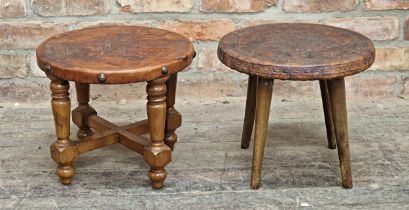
(296,51)
(124,54)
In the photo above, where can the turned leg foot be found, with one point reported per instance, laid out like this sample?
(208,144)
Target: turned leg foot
(157,154)
(250,112)
(327,114)
(65,172)
(336,88)
(158,174)
(264,92)
(63,151)
(171,123)
(83,110)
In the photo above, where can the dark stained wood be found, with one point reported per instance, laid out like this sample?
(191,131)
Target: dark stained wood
(336,89)
(125,136)
(115,54)
(133,142)
(62,151)
(296,51)
(264,92)
(157,154)
(84,108)
(138,128)
(99,124)
(250,112)
(97,141)
(122,135)
(328,115)
(171,126)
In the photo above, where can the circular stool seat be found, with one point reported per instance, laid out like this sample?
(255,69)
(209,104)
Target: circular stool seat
(114,54)
(296,51)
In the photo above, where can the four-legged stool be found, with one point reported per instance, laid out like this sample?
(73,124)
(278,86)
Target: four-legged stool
(296,52)
(115,55)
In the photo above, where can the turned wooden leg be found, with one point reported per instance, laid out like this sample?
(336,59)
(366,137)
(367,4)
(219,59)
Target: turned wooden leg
(250,112)
(157,154)
(63,151)
(171,123)
(327,114)
(336,89)
(264,92)
(83,110)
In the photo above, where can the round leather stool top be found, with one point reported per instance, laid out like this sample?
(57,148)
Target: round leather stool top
(114,54)
(296,51)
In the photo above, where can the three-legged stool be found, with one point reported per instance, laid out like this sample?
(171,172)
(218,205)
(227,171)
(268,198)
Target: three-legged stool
(115,55)
(296,52)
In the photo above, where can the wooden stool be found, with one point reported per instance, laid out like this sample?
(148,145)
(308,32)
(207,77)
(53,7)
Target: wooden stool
(296,52)
(115,55)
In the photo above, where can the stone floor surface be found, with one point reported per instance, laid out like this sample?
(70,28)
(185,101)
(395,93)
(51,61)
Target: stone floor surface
(209,169)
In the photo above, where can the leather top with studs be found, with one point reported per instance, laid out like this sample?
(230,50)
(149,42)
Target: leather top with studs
(115,54)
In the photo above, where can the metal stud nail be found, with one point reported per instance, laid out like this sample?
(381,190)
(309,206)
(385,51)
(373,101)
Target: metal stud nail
(164,70)
(101,77)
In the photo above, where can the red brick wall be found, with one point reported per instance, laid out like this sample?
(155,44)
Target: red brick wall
(25,23)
